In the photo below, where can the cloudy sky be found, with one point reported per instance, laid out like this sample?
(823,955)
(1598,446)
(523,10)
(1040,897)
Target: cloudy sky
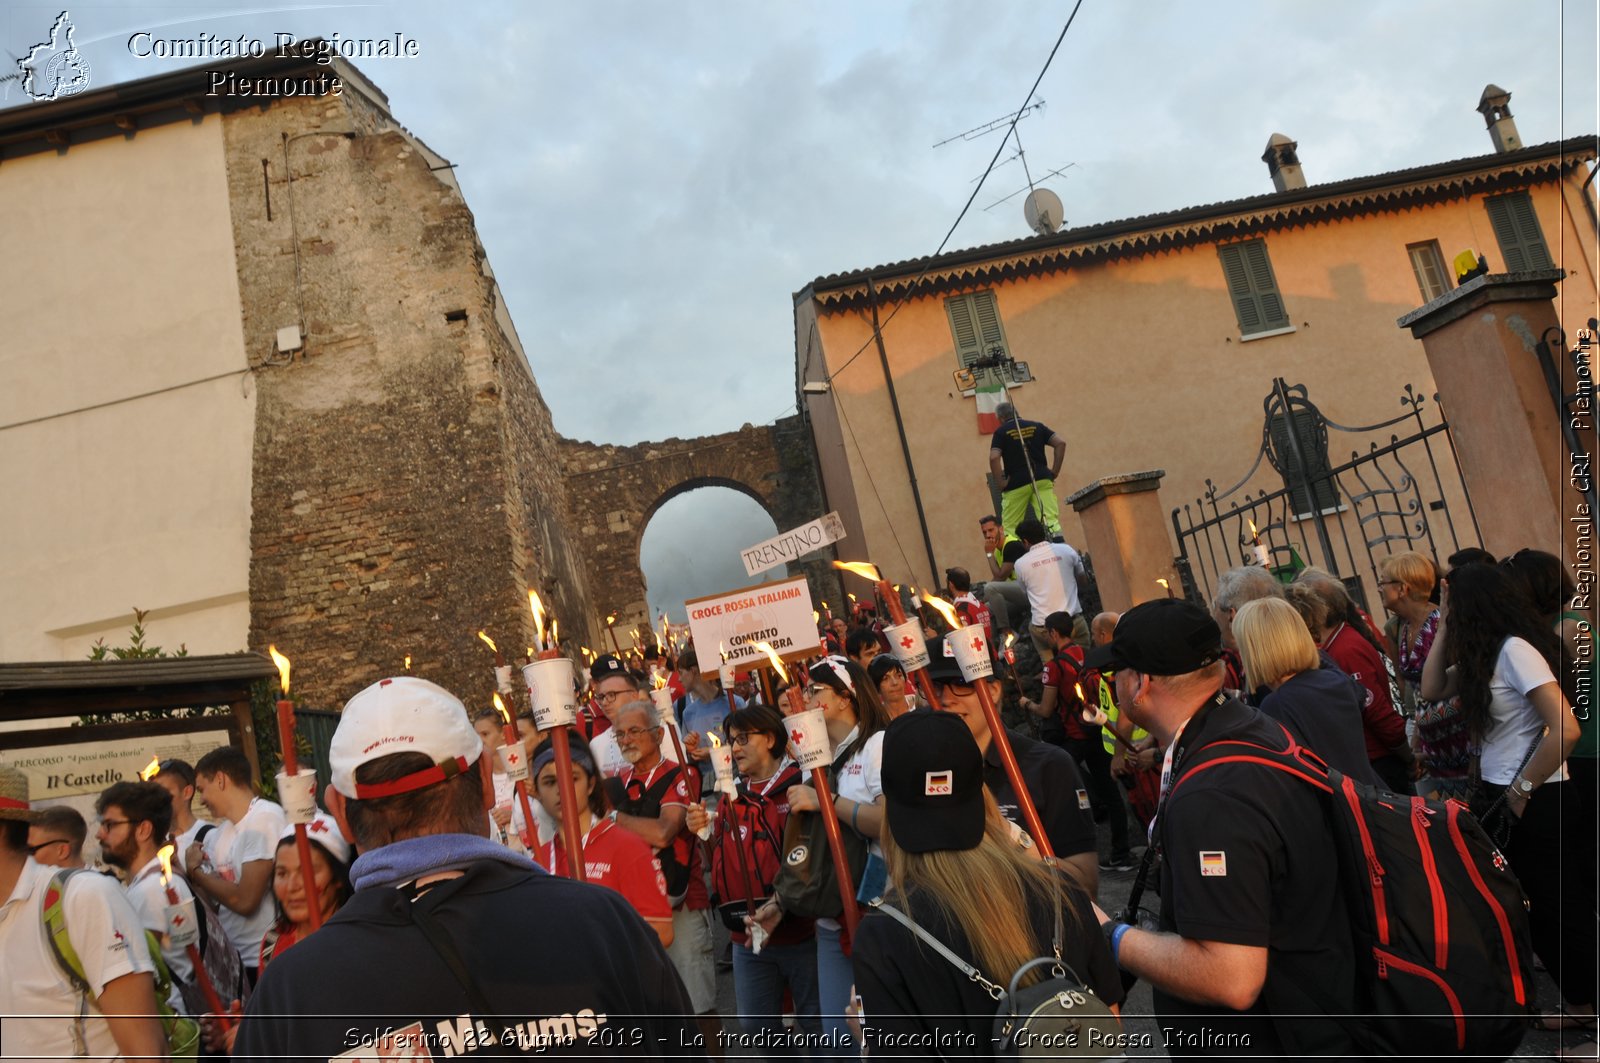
(653,181)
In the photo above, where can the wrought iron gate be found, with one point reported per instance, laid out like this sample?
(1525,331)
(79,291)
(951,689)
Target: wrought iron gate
(1346,518)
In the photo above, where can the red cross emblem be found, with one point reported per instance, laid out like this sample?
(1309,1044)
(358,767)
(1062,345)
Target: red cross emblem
(512,758)
(118,935)
(977,643)
(177,920)
(906,641)
(797,736)
(317,826)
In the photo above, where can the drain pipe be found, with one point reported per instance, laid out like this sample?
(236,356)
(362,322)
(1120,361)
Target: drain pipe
(900,428)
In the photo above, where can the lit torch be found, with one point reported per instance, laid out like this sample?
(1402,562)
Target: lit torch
(1166,587)
(291,769)
(1257,549)
(973,644)
(536,607)
(897,613)
(183,926)
(610,630)
(502,670)
(560,741)
(516,759)
(795,705)
(150,770)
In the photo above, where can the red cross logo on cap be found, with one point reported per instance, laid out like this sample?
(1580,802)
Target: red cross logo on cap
(977,643)
(317,826)
(797,736)
(906,641)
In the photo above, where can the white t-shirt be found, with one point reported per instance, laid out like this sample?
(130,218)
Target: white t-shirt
(860,779)
(233,845)
(1514,722)
(109,941)
(149,899)
(1049,573)
(186,839)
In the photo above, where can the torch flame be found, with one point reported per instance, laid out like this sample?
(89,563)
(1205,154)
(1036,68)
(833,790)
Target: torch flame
(852,597)
(816,617)
(488,641)
(860,568)
(165,856)
(555,629)
(658,681)
(772,655)
(1011,636)
(283,667)
(536,607)
(1253,533)
(716,743)
(612,619)
(1164,585)
(408,662)
(150,770)
(946,610)
(500,707)
(1079,688)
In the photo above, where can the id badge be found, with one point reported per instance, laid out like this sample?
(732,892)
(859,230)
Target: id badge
(874,879)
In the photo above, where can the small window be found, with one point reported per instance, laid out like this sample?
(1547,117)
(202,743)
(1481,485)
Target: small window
(1256,300)
(975,327)
(1516,229)
(1428,265)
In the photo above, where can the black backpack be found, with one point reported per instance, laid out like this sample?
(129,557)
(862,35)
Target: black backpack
(1438,921)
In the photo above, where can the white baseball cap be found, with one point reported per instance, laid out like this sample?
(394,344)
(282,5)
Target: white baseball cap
(401,715)
(323,830)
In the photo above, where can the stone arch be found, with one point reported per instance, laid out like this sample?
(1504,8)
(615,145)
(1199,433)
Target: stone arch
(613,491)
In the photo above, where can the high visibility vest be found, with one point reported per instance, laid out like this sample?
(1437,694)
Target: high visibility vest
(1108,705)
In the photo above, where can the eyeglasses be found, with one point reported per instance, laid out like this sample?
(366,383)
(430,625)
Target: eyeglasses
(610,695)
(960,690)
(816,690)
(634,732)
(738,740)
(107,824)
(33,850)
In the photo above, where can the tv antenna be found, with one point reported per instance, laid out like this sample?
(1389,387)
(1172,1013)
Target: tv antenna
(986,128)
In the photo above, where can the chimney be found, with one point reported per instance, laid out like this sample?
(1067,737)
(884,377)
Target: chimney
(1283,163)
(1495,106)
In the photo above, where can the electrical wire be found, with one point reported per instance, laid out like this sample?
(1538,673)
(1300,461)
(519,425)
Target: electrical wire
(1010,132)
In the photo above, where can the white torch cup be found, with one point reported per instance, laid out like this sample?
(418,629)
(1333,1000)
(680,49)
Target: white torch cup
(722,764)
(550,693)
(298,795)
(661,697)
(183,926)
(704,833)
(971,651)
(728,673)
(515,760)
(907,644)
(808,738)
(502,679)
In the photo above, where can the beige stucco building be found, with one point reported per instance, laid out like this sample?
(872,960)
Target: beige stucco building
(1153,341)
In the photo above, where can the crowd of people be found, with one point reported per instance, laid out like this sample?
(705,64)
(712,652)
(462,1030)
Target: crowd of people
(449,919)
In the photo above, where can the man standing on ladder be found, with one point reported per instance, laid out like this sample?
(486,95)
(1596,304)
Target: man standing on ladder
(1018,462)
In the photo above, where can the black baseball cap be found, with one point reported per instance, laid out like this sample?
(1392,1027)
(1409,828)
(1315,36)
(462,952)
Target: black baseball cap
(607,664)
(1166,636)
(932,783)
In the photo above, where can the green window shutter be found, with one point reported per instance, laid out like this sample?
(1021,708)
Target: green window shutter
(1516,229)
(1252,286)
(975,325)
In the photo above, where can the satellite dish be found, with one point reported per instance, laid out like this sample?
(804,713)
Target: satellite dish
(1043,211)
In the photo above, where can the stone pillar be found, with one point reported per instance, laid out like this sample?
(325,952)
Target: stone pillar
(1125,527)
(1481,342)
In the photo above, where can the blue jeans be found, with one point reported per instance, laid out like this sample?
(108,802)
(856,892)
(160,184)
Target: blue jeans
(758,982)
(835,976)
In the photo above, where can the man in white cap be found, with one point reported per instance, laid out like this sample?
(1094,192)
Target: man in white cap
(450,941)
(46,1015)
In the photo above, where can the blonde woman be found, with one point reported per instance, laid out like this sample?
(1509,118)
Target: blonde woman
(1320,705)
(956,869)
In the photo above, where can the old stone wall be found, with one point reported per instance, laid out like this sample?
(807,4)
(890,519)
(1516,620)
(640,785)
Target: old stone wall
(406,483)
(615,490)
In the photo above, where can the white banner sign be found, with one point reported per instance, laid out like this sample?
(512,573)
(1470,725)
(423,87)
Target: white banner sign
(778,614)
(792,545)
(88,768)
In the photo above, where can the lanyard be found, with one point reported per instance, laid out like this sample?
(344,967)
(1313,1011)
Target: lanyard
(648,779)
(1174,760)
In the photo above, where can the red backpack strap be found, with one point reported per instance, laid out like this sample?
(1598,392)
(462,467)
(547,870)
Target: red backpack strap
(1294,760)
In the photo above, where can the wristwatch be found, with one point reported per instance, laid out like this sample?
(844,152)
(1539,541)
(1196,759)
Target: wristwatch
(1523,786)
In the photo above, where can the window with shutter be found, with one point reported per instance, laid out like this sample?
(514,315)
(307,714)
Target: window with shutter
(1256,300)
(975,326)
(1516,229)
(1428,266)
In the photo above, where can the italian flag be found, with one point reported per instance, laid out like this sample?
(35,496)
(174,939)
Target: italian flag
(989,394)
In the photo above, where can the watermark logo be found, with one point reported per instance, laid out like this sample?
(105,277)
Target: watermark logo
(53,68)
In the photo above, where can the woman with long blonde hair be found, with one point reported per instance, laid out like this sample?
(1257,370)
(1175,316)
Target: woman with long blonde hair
(961,872)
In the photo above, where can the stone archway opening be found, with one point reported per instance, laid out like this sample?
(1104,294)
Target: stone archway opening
(690,543)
